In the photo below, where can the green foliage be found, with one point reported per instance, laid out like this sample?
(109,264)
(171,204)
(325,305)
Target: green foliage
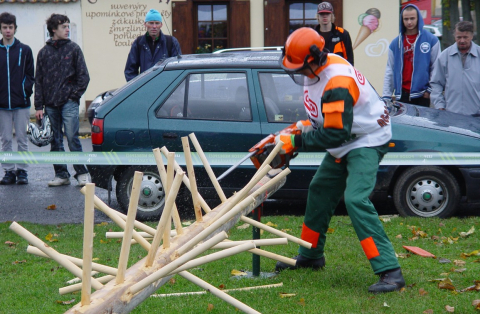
(30,284)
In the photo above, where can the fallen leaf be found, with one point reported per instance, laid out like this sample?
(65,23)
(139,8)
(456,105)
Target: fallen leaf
(475,287)
(301,302)
(244,226)
(105,241)
(473,253)
(444,261)
(49,237)
(435,238)
(287,295)
(458,262)
(210,307)
(403,255)
(441,224)
(186,223)
(66,302)
(19,262)
(51,207)
(450,309)
(422,292)
(437,280)
(286,230)
(235,272)
(271,224)
(458,270)
(385,304)
(172,281)
(445,274)
(446,284)
(221,287)
(398,236)
(330,230)
(10,243)
(468,233)
(286,219)
(476,304)
(385,219)
(429,311)
(102,224)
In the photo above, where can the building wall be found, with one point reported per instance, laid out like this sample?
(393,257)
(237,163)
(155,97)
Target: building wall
(31,19)
(371,54)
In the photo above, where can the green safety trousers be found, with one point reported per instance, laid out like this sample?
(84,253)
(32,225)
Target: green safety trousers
(353,176)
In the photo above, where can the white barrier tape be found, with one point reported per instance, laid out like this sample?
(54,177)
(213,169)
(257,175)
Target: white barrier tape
(223,159)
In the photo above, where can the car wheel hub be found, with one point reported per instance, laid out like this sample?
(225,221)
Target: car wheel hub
(152,194)
(427,196)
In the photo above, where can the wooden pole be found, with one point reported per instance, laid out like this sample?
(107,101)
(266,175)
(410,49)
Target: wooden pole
(217,292)
(77,261)
(68,265)
(243,192)
(272,155)
(261,242)
(165,270)
(163,176)
(216,224)
(193,181)
(87,244)
(207,167)
(215,256)
(168,225)
(78,286)
(164,219)
(113,214)
(204,204)
(275,285)
(127,236)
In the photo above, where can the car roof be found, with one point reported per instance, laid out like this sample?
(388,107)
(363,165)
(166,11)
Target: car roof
(248,59)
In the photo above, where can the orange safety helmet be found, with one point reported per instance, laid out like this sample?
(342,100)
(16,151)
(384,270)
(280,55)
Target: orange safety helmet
(302,47)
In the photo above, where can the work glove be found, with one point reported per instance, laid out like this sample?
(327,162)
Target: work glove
(288,140)
(305,126)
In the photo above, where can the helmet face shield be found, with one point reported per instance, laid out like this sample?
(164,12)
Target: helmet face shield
(303,75)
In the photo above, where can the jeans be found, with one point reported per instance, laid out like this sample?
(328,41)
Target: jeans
(68,117)
(19,120)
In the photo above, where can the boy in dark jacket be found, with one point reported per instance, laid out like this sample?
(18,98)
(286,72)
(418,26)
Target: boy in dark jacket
(16,86)
(61,79)
(150,48)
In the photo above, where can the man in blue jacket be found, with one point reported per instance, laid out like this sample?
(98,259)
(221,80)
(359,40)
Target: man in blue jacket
(150,48)
(16,86)
(410,62)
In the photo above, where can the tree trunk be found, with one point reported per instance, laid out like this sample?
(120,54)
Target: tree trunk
(467,16)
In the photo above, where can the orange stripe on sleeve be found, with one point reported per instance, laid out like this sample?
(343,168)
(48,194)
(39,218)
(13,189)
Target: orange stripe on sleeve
(333,114)
(369,248)
(310,236)
(344,82)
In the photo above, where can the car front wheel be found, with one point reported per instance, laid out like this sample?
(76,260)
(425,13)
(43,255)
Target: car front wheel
(152,193)
(426,192)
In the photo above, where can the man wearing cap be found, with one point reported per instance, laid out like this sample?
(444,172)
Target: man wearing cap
(150,48)
(337,39)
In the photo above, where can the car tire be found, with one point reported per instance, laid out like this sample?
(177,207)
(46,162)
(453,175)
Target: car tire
(426,192)
(152,194)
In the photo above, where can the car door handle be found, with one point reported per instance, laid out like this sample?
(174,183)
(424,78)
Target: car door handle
(170,135)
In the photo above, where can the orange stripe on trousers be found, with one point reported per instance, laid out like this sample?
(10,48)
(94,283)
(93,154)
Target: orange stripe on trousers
(369,248)
(310,236)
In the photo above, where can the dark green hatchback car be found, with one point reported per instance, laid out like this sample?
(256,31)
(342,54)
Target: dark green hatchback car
(233,100)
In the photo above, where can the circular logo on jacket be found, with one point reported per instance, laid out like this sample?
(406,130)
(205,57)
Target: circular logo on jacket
(425,47)
(360,77)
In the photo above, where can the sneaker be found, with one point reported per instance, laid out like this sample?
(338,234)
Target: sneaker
(302,262)
(391,280)
(57,181)
(9,178)
(22,177)
(83,179)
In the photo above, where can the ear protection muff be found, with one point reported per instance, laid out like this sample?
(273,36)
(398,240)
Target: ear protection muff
(319,57)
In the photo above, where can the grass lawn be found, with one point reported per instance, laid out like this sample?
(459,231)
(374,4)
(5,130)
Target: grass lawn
(29,284)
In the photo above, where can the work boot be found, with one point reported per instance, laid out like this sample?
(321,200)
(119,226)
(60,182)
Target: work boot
(9,178)
(22,177)
(390,280)
(302,262)
(57,181)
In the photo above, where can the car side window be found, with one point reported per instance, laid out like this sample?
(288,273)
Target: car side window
(209,96)
(282,98)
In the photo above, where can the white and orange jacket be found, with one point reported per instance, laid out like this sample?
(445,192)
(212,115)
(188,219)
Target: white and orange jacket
(345,111)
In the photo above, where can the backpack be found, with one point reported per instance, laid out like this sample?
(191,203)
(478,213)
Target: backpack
(169,44)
